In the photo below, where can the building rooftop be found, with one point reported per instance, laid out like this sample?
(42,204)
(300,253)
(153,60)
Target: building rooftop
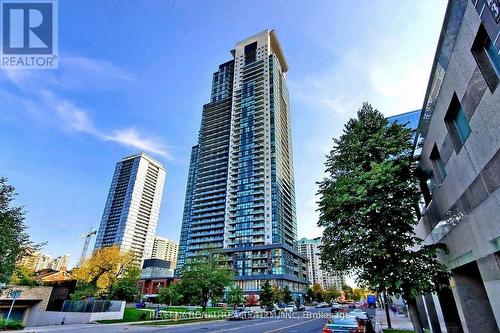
(146,156)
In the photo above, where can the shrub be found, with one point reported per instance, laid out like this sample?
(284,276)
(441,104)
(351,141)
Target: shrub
(11,324)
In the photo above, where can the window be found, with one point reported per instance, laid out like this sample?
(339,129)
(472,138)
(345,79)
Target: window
(250,53)
(438,165)
(487,58)
(457,124)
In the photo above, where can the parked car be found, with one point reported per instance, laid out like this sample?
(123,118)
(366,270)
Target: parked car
(360,315)
(241,314)
(343,325)
(289,309)
(302,308)
(322,305)
(336,308)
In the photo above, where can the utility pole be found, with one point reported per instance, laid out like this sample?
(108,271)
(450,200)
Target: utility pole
(13,293)
(87,237)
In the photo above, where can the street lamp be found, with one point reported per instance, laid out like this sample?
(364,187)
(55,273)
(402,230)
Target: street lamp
(13,293)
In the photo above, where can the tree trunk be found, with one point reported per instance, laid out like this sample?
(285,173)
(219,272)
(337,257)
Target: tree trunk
(204,307)
(386,305)
(414,316)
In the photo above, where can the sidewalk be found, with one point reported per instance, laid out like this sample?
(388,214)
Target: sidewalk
(398,321)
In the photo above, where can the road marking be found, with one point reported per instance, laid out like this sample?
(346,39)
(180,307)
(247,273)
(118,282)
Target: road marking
(246,326)
(290,326)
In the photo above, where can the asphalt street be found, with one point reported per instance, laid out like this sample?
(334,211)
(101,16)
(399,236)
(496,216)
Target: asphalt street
(311,321)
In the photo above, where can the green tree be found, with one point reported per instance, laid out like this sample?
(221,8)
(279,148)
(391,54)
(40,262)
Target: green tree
(206,277)
(348,291)
(14,239)
(23,276)
(277,294)
(235,296)
(368,206)
(287,295)
(172,295)
(125,287)
(318,294)
(358,293)
(331,294)
(266,296)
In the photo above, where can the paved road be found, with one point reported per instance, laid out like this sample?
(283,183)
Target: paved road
(311,321)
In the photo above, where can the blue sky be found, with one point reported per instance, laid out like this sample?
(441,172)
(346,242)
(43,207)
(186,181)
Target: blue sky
(133,75)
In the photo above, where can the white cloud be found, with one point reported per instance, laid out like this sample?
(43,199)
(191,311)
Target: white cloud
(50,108)
(131,137)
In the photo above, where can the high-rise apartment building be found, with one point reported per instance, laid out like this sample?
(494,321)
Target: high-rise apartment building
(241,193)
(165,249)
(131,212)
(310,248)
(38,261)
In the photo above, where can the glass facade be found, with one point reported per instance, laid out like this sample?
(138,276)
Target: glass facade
(243,195)
(131,213)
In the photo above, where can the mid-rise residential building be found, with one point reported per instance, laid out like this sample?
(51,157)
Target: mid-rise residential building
(165,249)
(311,249)
(459,165)
(131,212)
(39,261)
(241,192)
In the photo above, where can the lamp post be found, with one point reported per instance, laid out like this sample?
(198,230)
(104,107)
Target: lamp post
(13,293)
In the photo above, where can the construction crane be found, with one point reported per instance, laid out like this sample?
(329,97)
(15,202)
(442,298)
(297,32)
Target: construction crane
(87,237)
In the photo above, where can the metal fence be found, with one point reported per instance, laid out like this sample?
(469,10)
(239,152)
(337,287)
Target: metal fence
(91,306)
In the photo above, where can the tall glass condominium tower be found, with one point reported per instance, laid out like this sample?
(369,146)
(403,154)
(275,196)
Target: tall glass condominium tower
(131,213)
(241,194)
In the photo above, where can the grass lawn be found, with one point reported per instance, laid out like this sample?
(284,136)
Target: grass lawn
(133,314)
(130,315)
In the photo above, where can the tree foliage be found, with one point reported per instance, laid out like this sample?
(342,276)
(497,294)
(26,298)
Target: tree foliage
(287,295)
(125,287)
(368,206)
(205,278)
(23,276)
(251,300)
(172,295)
(266,296)
(98,274)
(277,293)
(331,294)
(14,239)
(235,296)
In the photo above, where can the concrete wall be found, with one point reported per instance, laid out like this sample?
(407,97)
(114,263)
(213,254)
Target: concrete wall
(37,293)
(56,318)
(470,191)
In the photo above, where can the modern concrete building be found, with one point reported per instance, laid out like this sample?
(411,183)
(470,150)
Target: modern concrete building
(460,165)
(165,249)
(131,212)
(241,195)
(310,248)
